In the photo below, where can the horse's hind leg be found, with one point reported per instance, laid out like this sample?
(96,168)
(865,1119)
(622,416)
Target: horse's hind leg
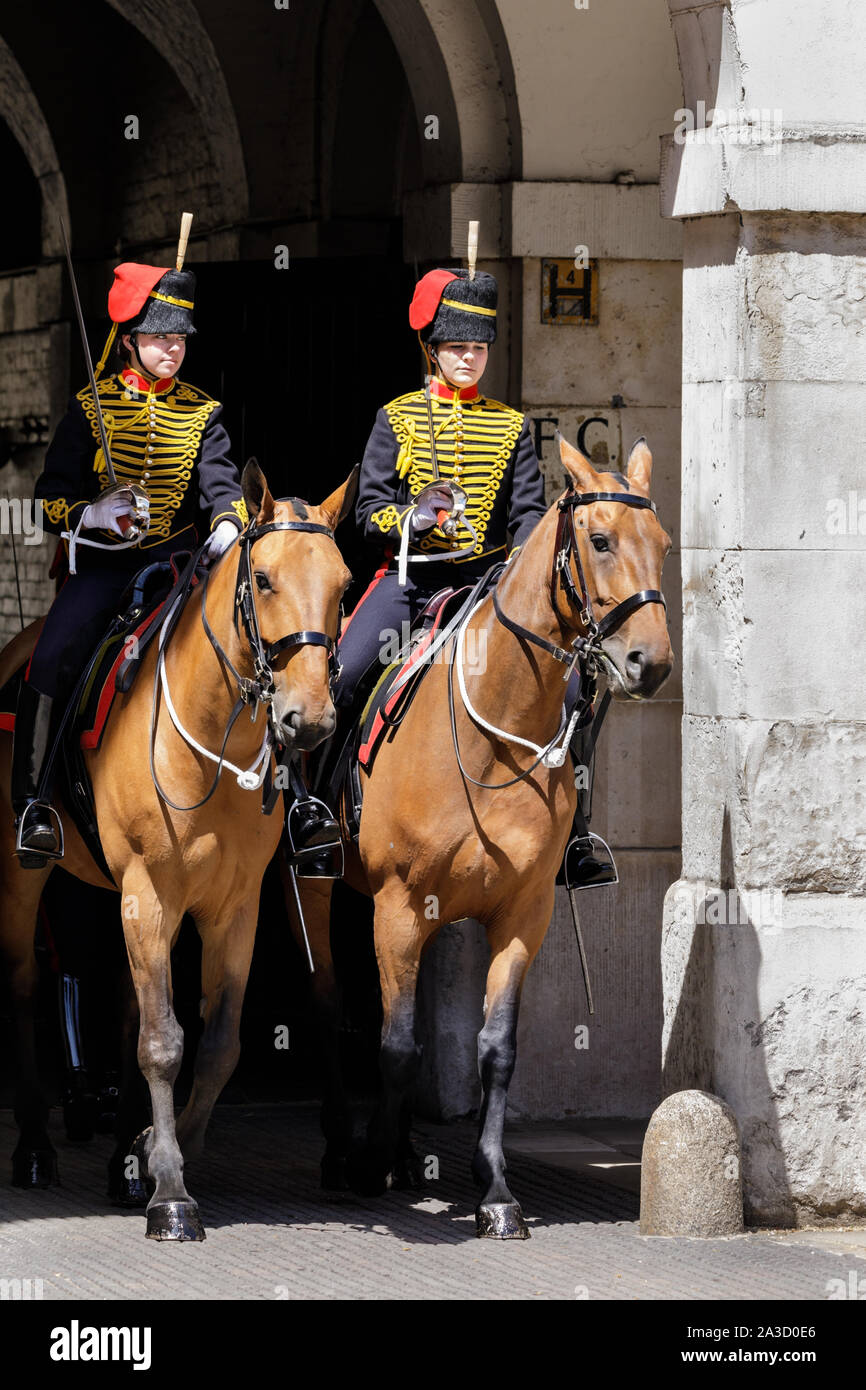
(514,941)
(34,1162)
(335,1117)
(227,950)
(124,1188)
(399,943)
(149,930)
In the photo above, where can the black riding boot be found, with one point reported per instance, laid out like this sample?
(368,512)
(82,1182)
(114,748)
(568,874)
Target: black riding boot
(315,845)
(588,862)
(36,823)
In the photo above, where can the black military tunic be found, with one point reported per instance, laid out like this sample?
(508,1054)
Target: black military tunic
(482,445)
(166,436)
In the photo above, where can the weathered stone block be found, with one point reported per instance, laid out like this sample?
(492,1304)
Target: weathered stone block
(691,1183)
(765,1005)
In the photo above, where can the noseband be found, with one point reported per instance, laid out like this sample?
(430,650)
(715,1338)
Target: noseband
(260,689)
(586,648)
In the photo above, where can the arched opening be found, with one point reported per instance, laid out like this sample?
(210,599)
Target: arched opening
(303,345)
(21,227)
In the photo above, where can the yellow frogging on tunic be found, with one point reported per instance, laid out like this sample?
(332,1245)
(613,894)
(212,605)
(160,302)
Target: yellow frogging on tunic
(474,442)
(155,439)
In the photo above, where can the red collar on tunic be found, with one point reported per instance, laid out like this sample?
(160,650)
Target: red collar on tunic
(159,385)
(444,392)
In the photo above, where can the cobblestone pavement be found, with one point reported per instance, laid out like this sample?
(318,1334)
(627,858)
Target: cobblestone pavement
(272,1234)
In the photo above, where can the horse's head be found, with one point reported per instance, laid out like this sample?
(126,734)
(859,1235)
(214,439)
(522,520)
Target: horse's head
(622,550)
(299,578)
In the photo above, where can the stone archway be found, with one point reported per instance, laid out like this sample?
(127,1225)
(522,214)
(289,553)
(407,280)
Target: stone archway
(455,72)
(23,115)
(174,28)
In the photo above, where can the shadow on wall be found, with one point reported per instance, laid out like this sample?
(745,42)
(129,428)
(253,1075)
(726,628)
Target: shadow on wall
(710,1048)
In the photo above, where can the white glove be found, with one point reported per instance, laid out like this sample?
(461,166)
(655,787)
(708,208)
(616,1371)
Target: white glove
(430,500)
(103,514)
(220,539)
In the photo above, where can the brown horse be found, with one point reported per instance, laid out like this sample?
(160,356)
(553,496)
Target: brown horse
(435,847)
(287,574)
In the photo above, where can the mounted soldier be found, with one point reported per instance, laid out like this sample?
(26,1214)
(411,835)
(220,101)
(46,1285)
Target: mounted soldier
(447,477)
(134,476)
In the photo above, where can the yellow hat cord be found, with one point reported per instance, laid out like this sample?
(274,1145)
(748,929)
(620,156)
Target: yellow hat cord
(112,334)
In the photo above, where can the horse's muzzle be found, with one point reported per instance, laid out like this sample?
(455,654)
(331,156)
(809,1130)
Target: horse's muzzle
(645,673)
(298,730)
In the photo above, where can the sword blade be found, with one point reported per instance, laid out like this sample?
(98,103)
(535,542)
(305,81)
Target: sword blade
(106,453)
(434,462)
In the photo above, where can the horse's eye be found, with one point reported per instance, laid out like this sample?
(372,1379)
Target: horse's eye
(262,582)
(600,542)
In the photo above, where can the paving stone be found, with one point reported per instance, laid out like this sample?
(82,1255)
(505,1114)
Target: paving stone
(272,1233)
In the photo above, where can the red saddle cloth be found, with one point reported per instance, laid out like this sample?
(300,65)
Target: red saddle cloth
(385,700)
(113,668)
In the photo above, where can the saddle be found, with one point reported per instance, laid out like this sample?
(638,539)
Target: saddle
(382,699)
(110,671)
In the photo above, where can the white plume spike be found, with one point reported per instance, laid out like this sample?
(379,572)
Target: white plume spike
(185,225)
(472,248)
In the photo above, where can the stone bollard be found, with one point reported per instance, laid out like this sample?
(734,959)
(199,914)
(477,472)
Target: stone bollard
(691,1183)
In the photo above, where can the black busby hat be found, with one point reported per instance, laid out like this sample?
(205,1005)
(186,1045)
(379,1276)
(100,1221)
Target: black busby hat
(168,306)
(449,307)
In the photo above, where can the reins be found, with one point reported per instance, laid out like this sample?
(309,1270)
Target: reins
(253,691)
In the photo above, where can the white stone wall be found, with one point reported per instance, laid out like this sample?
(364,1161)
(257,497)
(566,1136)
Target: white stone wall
(764,947)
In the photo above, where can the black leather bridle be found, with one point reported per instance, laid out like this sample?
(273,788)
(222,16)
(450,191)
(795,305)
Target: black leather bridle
(260,688)
(586,648)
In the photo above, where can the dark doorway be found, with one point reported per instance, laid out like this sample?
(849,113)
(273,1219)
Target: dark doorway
(302,359)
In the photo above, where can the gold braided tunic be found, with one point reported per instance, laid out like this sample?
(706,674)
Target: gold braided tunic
(481,444)
(167,437)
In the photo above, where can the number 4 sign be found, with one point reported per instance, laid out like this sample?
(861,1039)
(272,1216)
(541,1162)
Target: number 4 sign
(569,294)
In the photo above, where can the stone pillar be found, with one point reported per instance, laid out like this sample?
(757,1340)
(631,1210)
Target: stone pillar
(764,941)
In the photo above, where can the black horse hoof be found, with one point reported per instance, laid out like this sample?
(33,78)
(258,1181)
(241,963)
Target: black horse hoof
(334,1174)
(366,1175)
(174,1221)
(34,1168)
(501,1221)
(125,1191)
(137,1150)
(78,1118)
(408,1173)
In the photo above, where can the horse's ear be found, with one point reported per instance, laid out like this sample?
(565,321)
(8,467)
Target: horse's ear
(257,494)
(340,503)
(639,469)
(576,464)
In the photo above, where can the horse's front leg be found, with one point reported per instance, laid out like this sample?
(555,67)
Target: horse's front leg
(514,939)
(400,938)
(227,950)
(149,928)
